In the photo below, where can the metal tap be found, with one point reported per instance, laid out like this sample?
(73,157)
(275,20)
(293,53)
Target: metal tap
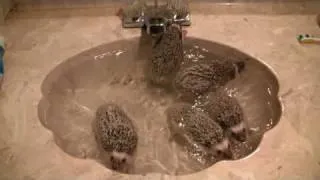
(156,15)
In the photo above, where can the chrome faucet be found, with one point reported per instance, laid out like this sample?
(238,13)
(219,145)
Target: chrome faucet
(156,15)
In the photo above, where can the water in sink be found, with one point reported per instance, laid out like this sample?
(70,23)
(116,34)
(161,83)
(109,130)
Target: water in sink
(73,91)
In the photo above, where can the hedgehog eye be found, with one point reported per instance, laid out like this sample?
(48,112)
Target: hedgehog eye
(219,152)
(111,158)
(207,144)
(123,160)
(243,131)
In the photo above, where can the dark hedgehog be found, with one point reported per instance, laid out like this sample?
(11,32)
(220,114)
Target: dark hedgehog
(198,79)
(166,56)
(196,128)
(228,113)
(116,134)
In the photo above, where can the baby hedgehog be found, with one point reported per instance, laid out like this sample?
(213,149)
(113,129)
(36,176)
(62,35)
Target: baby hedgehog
(197,79)
(116,134)
(228,113)
(196,128)
(166,56)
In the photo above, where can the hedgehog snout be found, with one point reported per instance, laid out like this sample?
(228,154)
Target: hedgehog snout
(222,150)
(239,132)
(120,162)
(240,136)
(240,66)
(226,154)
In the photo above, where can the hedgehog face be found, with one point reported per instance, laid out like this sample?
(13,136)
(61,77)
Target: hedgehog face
(120,161)
(239,132)
(222,150)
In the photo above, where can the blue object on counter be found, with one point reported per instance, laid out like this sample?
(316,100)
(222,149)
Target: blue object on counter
(1,60)
(1,57)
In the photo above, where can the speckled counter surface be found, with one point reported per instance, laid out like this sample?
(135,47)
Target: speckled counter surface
(37,42)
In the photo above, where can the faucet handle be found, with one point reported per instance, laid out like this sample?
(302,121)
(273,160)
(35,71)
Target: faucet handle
(181,11)
(133,15)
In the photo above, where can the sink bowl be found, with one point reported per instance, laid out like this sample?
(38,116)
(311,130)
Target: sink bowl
(114,73)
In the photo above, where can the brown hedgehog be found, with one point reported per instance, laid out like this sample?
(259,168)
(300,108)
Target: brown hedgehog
(195,127)
(116,135)
(166,56)
(228,113)
(198,79)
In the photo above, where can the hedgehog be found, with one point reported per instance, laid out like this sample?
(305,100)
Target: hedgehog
(195,128)
(116,135)
(166,55)
(227,111)
(200,78)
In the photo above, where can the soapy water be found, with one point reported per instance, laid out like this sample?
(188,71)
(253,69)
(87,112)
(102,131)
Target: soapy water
(75,89)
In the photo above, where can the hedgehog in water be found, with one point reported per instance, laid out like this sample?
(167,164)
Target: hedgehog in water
(227,111)
(200,78)
(116,135)
(194,127)
(166,55)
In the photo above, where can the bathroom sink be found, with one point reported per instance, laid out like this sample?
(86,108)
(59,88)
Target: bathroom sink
(114,72)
